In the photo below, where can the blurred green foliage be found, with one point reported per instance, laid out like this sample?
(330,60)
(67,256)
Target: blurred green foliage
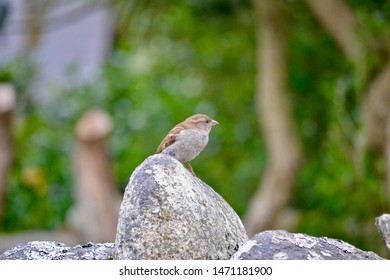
(171,60)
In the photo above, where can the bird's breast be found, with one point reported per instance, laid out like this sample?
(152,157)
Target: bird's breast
(188,145)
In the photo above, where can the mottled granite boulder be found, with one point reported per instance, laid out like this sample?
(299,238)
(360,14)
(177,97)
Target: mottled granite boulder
(51,250)
(283,245)
(167,213)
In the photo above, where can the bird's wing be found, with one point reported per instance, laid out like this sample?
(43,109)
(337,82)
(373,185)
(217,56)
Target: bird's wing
(170,138)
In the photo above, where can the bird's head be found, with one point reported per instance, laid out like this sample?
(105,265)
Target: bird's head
(202,121)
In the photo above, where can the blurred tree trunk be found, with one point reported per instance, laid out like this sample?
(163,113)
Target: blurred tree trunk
(7,104)
(275,117)
(360,46)
(340,22)
(357,43)
(376,110)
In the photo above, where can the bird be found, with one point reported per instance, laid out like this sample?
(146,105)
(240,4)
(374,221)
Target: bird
(187,139)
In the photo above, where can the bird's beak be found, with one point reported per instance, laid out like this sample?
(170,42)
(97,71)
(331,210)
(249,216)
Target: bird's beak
(213,123)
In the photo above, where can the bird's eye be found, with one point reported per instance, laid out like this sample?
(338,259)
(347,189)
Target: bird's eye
(207,121)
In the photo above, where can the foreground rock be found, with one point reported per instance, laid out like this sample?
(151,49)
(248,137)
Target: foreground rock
(282,245)
(383,225)
(268,245)
(51,250)
(167,213)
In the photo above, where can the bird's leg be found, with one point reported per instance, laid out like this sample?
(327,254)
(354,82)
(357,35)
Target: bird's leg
(190,167)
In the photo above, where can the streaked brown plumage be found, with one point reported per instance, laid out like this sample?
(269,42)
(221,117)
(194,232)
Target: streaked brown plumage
(187,139)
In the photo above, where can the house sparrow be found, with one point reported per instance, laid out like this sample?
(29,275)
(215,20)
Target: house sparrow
(187,139)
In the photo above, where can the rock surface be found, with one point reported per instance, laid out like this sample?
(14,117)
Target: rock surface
(51,250)
(267,245)
(383,225)
(283,245)
(167,213)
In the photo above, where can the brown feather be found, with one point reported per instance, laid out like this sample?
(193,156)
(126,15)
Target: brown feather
(170,138)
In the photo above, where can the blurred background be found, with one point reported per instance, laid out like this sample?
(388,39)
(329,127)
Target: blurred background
(301,89)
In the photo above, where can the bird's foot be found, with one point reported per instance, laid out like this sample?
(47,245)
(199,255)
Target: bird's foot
(190,169)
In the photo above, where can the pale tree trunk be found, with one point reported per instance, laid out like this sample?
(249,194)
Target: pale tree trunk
(275,118)
(340,22)
(7,105)
(387,154)
(95,213)
(356,43)
(376,110)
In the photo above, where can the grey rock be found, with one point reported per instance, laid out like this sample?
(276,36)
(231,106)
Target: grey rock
(51,250)
(283,245)
(167,213)
(383,225)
